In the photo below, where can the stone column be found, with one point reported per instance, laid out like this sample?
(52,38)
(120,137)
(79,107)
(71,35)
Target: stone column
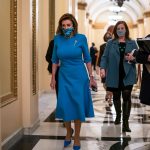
(61,7)
(74,8)
(87,26)
(82,17)
(141,31)
(135,31)
(30,113)
(90,33)
(45,34)
(147,22)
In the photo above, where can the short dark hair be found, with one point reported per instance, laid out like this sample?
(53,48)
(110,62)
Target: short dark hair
(67,16)
(126,27)
(93,44)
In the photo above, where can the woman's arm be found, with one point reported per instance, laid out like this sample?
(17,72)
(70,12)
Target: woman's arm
(89,68)
(92,81)
(55,61)
(53,82)
(87,60)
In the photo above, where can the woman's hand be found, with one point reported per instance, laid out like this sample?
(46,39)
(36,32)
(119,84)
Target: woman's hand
(53,83)
(102,73)
(93,82)
(129,57)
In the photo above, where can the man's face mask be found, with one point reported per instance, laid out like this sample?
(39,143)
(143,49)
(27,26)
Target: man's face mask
(67,32)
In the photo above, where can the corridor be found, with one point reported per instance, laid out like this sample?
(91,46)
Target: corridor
(98,133)
(27,104)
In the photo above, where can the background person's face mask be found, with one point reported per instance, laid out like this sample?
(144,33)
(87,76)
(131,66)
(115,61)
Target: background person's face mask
(67,32)
(121,32)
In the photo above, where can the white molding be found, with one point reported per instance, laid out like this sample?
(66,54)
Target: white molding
(30,130)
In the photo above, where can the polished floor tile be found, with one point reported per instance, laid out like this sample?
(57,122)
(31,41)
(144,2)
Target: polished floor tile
(98,133)
(86,145)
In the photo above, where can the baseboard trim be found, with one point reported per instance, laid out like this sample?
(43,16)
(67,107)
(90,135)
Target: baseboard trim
(30,130)
(11,140)
(16,136)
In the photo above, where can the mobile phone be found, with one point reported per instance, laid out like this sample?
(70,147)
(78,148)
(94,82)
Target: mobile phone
(94,88)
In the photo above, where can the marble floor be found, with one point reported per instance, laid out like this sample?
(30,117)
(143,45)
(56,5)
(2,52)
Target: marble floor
(98,133)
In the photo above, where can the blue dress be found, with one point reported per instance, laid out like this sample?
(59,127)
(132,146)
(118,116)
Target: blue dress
(74,98)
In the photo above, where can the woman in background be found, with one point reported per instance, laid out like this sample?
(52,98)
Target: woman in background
(120,75)
(107,36)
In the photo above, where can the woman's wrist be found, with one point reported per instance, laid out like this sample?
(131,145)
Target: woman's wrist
(148,58)
(91,76)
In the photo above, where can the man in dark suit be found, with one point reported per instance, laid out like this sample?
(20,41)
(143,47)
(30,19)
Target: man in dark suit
(93,52)
(143,57)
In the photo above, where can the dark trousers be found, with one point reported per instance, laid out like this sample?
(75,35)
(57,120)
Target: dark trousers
(94,63)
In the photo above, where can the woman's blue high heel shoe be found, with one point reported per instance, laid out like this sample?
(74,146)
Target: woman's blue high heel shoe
(67,143)
(76,147)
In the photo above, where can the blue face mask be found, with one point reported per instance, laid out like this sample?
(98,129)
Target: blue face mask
(121,32)
(67,32)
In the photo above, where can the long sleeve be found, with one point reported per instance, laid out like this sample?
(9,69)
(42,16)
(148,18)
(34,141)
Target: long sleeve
(86,54)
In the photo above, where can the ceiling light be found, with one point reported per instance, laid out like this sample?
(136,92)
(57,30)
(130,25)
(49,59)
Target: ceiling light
(117,9)
(119,2)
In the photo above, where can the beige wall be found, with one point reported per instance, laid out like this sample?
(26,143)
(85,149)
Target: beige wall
(0,129)
(43,35)
(146,25)
(98,37)
(61,7)
(11,111)
(5,47)
(22,113)
(11,119)
(29,100)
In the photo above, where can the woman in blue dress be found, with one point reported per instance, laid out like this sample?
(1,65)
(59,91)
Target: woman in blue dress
(74,101)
